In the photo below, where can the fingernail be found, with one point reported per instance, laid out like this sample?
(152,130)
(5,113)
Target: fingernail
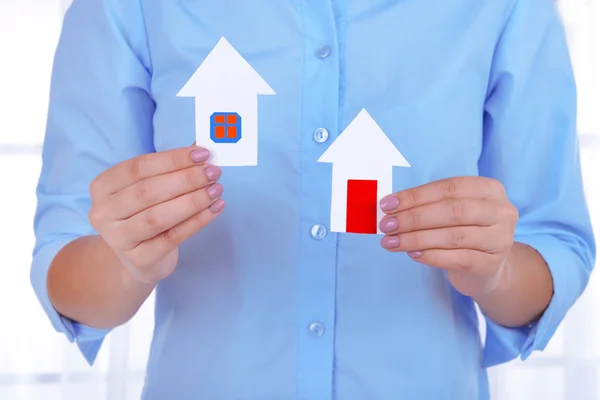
(389,203)
(390,242)
(200,155)
(212,172)
(388,225)
(215,190)
(217,206)
(415,254)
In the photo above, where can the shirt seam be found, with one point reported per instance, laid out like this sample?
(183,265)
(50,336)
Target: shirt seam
(341,42)
(146,40)
(505,27)
(300,185)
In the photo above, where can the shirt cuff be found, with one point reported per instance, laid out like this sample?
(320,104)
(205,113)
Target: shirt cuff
(88,339)
(569,275)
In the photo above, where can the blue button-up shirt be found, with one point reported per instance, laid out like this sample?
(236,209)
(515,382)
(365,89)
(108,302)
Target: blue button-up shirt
(268,302)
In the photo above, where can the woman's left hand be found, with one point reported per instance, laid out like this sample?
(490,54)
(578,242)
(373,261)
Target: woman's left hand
(463,225)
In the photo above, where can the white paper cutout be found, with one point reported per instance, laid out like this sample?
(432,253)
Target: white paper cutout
(226,83)
(362,151)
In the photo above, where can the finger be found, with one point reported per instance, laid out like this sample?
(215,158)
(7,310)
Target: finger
(159,246)
(446,213)
(159,189)
(164,216)
(474,187)
(460,260)
(463,237)
(145,166)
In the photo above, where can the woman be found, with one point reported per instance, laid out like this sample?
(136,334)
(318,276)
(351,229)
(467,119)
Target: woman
(386,166)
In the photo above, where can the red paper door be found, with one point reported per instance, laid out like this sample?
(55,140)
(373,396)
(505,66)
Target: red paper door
(361,208)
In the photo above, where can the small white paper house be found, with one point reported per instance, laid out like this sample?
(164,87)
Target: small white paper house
(226,89)
(363,158)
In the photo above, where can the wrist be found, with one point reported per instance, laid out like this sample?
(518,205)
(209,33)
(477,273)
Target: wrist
(132,281)
(499,288)
(125,272)
(523,292)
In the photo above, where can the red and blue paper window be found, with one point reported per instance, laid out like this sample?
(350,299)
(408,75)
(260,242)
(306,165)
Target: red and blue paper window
(225,127)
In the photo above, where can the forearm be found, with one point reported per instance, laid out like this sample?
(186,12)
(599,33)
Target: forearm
(524,291)
(88,284)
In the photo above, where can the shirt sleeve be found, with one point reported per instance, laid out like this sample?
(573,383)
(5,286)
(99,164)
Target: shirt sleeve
(100,113)
(530,145)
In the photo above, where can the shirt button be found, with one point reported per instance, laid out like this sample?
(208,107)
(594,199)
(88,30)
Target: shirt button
(321,135)
(316,329)
(324,51)
(318,232)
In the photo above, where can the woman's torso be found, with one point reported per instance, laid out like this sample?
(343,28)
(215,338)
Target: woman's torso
(234,320)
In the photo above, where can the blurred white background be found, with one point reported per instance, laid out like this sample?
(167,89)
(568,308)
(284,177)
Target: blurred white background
(37,363)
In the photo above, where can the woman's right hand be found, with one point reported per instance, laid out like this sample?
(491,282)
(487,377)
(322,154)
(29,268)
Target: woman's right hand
(144,208)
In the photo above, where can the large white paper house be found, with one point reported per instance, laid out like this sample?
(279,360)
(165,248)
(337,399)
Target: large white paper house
(363,158)
(226,89)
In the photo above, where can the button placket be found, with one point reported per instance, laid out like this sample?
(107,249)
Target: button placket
(316,274)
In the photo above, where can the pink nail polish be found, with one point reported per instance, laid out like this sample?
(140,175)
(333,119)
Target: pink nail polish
(200,155)
(415,254)
(217,206)
(389,203)
(215,190)
(212,172)
(388,225)
(390,242)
